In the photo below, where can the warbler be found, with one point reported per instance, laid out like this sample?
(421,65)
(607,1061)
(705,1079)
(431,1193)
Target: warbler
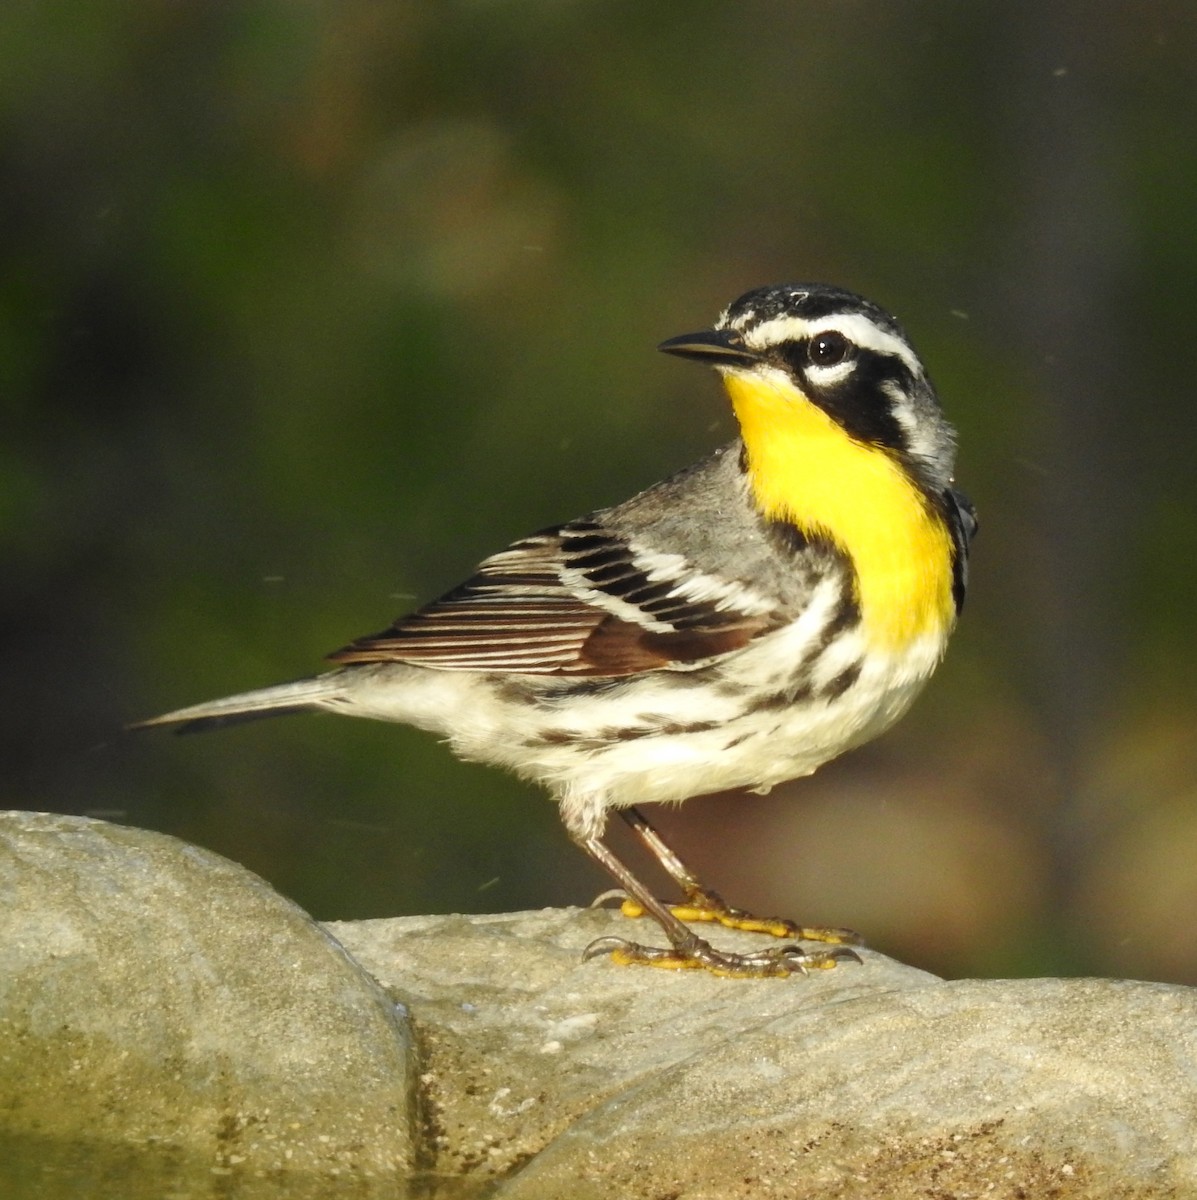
(735,626)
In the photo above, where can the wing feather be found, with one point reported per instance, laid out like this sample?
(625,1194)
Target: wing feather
(579,599)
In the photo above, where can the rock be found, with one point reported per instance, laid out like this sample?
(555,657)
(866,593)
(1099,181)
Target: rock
(152,993)
(588,1080)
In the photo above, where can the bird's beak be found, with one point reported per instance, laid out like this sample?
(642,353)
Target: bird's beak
(716,347)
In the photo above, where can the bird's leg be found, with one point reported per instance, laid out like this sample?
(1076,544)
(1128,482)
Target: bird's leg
(688,951)
(703,904)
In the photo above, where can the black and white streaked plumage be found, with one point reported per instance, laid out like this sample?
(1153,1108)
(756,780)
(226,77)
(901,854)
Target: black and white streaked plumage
(737,625)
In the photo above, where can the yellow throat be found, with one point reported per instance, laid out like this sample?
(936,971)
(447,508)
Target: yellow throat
(806,470)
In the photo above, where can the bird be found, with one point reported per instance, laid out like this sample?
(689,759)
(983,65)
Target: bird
(734,626)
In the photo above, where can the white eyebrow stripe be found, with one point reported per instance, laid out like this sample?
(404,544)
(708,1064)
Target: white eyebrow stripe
(856,327)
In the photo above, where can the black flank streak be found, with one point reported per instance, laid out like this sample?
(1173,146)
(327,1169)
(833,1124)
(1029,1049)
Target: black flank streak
(672,729)
(612,734)
(845,617)
(776,701)
(555,737)
(841,683)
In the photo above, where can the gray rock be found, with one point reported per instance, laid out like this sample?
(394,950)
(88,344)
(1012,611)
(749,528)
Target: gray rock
(155,994)
(520,1038)
(589,1080)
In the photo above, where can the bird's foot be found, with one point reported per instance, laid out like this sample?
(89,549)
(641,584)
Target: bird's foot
(697,955)
(702,905)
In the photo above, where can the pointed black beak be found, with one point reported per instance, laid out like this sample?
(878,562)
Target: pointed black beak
(715,347)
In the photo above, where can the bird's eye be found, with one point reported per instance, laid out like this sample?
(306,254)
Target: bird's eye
(827,349)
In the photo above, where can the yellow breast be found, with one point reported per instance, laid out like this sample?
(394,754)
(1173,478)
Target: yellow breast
(806,470)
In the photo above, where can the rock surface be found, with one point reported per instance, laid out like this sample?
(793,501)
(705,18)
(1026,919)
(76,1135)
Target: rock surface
(152,993)
(589,1080)
(155,994)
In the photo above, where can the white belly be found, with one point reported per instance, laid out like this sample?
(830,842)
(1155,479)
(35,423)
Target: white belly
(659,737)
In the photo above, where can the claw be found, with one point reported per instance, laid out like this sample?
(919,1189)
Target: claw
(710,907)
(775,962)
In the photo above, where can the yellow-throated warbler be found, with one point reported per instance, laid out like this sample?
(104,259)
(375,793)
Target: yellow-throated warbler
(737,625)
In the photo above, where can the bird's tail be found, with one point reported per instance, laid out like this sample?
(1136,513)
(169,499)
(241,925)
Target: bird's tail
(304,695)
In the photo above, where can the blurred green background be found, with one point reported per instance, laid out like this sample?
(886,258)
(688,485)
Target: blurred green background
(305,307)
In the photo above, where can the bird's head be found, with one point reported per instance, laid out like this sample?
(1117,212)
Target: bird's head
(785,348)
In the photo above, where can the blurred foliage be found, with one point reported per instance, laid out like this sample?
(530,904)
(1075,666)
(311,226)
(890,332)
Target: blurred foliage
(306,306)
